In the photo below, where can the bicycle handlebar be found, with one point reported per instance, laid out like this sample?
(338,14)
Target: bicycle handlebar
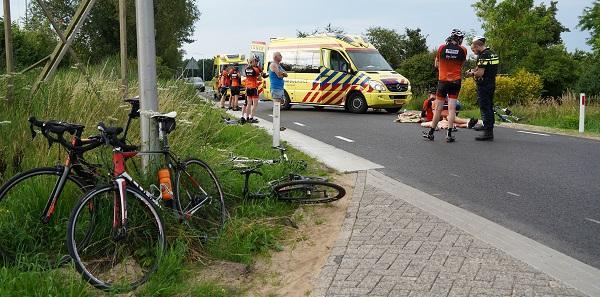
(54,132)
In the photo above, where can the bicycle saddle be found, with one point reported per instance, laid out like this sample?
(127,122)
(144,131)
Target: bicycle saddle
(164,116)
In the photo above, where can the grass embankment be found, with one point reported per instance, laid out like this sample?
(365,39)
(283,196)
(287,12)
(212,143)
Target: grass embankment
(254,228)
(552,114)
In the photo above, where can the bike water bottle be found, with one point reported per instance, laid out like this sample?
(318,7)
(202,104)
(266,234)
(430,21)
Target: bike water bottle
(164,180)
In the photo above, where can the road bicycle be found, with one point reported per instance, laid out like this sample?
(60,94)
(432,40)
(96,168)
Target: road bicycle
(293,187)
(128,237)
(506,115)
(35,204)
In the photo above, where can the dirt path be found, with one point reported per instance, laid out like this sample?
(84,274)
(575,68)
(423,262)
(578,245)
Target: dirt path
(292,271)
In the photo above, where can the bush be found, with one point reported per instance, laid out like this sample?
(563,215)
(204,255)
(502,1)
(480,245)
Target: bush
(420,71)
(521,88)
(589,82)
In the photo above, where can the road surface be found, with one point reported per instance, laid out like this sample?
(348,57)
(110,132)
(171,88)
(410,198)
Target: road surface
(543,186)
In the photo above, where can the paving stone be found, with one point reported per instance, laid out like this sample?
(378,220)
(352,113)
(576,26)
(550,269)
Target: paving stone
(388,247)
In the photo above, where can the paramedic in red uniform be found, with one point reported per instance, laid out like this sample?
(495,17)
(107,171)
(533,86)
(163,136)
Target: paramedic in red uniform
(450,60)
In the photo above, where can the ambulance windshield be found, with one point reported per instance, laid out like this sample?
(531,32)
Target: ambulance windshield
(369,60)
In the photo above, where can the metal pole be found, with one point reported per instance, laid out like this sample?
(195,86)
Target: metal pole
(8,44)
(582,103)
(146,52)
(123,35)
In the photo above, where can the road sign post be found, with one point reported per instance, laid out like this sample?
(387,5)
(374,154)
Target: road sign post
(276,122)
(582,103)
(146,50)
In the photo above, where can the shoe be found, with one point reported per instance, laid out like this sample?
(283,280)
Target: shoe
(282,128)
(428,136)
(472,123)
(242,120)
(487,135)
(450,138)
(478,127)
(253,120)
(454,130)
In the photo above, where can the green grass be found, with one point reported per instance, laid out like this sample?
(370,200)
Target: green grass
(254,228)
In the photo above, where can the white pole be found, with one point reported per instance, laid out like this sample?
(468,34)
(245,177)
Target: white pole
(582,102)
(146,49)
(276,122)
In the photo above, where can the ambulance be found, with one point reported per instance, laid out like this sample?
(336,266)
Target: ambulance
(224,61)
(337,71)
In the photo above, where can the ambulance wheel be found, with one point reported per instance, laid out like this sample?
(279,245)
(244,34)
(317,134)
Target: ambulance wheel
(287,103)
(392,110)
(357,103)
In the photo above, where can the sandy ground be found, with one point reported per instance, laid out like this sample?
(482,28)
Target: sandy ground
(292,271)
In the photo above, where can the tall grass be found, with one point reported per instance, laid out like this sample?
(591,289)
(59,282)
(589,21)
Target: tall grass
(253,228)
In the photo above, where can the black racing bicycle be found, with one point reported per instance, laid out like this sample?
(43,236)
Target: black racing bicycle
(35,204)
(293,187)
(128,238)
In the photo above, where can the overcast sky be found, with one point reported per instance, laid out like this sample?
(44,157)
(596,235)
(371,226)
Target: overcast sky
(228,26)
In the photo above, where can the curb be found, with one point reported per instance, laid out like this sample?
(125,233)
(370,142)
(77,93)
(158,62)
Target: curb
(328,270)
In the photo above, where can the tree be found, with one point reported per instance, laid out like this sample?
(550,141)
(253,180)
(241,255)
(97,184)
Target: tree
(396,47)
(590,21)
(30,45)
(388,42)
(329,29)
(557,68)
(589,79)
(420,70)
(517,27)
(99,37)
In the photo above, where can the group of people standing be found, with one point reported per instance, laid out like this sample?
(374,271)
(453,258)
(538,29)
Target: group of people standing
(450,59)
(231,80)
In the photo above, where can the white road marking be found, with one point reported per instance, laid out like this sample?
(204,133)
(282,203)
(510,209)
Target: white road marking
(455,175)
(533,133)
(271,115)
(513,194)
(592,220)
(299,124)
(344,139)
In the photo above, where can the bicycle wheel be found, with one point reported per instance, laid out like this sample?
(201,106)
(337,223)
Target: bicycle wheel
(26,238)
(199,199)
(308,191)
(107,261)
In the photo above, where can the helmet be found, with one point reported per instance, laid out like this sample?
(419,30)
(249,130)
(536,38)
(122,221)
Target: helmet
(255,58)
(432,90)
(457,35)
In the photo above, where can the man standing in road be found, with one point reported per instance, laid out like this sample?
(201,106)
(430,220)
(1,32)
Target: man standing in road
(276,75)
(236,83)
(485,77)
(224,83)
(450,59)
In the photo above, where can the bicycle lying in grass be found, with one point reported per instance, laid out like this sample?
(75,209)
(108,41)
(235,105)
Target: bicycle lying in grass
(128,237)
(293,188)
(35,204)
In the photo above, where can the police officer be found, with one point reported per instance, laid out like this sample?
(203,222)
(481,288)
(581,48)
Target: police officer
(485,78)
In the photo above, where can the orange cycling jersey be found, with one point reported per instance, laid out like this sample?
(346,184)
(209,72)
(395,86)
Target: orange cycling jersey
(252,76)
(451,58)
(225,81)
(235,77)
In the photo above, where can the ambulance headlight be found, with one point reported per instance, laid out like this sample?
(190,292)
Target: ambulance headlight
(377,85)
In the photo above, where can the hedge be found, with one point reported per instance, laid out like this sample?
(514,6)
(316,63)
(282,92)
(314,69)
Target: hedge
(520,88)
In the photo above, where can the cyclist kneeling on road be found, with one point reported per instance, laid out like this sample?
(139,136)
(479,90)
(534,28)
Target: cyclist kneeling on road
(427,112)
(253,76)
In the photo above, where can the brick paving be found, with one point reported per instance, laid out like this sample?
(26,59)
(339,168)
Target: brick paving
(387,247)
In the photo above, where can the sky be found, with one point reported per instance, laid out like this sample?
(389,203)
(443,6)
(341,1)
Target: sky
(229,26)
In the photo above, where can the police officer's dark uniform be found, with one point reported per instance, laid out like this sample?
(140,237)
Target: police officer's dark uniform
(486,87)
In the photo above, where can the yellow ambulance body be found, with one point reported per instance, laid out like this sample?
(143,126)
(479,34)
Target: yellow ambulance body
(339,71)
(224,61)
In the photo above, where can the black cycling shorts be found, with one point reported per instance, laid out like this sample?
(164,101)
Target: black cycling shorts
(449,89)
(252,93)
(235,91)
(223,90)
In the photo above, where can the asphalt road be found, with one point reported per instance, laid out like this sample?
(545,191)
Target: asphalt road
(546,187)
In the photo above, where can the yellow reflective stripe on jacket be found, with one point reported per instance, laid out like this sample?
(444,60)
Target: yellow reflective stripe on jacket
(491,61)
